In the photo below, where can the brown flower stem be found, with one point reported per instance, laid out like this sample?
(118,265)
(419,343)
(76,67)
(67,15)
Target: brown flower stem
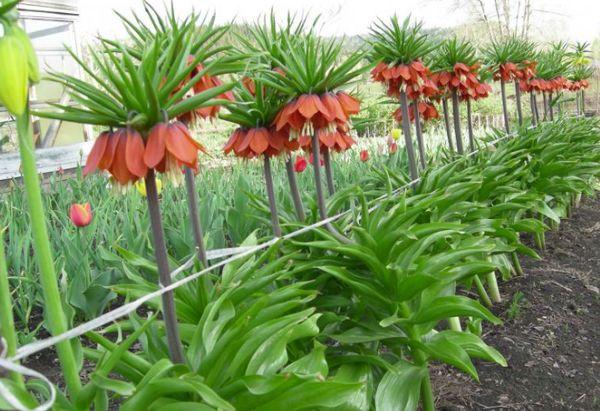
(532,103)
(296,198)
(160,252)
(550,107)
(545,106)
(537,111)
(190,185)
(319,190)
(271,196)
(456,118)
(578,102)
(328,171)
(470,126)
(583,103)
(447,123)
(504,106)
(518,102)
(412,164)
(419,134)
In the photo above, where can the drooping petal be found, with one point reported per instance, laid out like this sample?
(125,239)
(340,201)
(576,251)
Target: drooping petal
(259,142)
(349,104)
(180,146)
(155,146)
(109,153)
(135,154)
(96,153)
(118,168)
(307,105)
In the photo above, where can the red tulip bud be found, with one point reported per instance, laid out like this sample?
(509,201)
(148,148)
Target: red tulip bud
(393,147)
(300,164)
(364,155)
(81,214)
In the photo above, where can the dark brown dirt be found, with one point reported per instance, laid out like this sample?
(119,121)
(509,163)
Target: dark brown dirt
(550,338)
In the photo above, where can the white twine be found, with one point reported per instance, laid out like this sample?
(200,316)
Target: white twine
(9,397)
(233,253)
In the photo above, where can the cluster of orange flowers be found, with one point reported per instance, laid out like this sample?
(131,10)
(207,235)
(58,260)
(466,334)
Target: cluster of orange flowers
(464,79)
(415,78)
(507,72)
(127,157)
(205,82)
(253,142)
(327,115)
(576,85)
(427,111)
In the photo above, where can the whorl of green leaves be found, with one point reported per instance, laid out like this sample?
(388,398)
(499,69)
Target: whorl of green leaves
(453,51)
(254,110)
(553,62)
(580,54)
(263,39)
(312,65)
(135,85)
(508,50)
(396,43)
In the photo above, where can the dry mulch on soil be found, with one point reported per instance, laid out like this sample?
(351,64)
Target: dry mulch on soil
(550,338)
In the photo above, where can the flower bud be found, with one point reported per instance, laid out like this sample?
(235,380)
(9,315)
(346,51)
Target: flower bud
(32,60)
(13,75)
(81,214)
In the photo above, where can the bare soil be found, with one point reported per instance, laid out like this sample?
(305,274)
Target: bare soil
(550,337)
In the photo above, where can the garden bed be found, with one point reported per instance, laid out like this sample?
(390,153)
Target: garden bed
(550,336)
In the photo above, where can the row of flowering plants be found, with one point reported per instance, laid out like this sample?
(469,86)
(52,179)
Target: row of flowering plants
(346,317)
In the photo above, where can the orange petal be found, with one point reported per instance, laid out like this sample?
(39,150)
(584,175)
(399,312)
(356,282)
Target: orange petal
(349,104)
(259,142)
(134,153)
(109,152)
(307,106)
(335,108)
(118,167)
(180,146)
(96,153)
(155,146)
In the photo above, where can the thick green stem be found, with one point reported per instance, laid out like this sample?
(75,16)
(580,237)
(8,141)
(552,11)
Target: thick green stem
(470,126)
(271,196)
(328,172)
(494,292)
(456,118)
(516,263)
(160,252)
(55,316)
(296,198)
(419,134)
(504,106)
(532,104)
(319,190)
(454,323)
(412,163)
(447,123)
(7,324)
(483,295)
(545,106)
(550,106)
(190,184)
(518,102)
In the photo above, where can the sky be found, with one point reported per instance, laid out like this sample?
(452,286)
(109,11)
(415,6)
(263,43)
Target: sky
(577,20)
